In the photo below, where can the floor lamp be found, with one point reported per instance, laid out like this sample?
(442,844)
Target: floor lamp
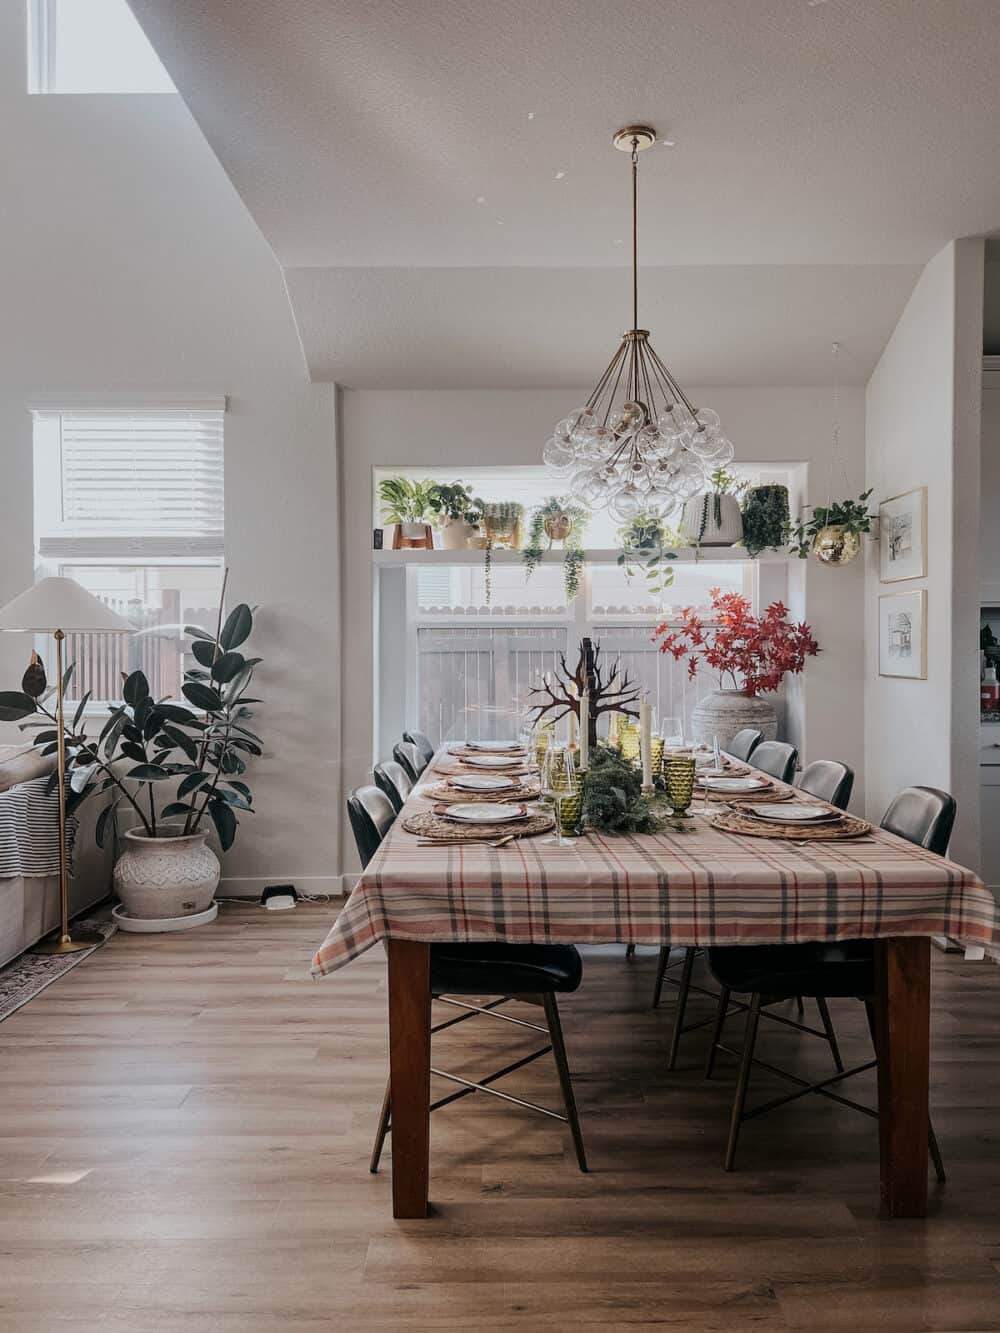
(55,606)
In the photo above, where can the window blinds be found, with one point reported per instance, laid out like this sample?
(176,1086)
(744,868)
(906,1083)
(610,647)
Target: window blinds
(137,484)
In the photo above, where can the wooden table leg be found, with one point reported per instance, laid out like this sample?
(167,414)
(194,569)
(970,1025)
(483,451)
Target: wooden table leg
(902,1008)
(410,1074)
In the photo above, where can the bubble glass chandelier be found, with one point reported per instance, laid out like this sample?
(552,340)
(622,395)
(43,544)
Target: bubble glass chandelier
(638,445)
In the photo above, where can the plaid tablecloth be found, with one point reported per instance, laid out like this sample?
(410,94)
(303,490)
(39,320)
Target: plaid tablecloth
(695,888)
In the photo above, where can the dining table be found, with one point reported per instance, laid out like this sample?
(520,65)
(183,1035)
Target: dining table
(690,884)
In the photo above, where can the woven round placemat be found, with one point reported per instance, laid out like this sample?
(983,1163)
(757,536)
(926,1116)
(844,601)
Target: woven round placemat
(527,791)
(732,821)
(508,771)
(463,751)
(429,825)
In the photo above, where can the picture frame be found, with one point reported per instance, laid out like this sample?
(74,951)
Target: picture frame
(902,527)
(902,634)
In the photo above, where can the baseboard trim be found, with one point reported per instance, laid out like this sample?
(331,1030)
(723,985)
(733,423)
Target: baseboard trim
(246,886)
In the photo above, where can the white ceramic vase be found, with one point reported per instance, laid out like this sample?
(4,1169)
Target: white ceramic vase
(456,534)
(725,712)
(171,876)
(726,532)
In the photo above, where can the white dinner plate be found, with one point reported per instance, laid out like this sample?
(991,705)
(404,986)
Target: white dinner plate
(496,747)
(492,760)
(735,784)
(789,813)
(484,813)
(482,782)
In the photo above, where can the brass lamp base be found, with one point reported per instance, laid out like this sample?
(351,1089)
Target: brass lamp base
(75,943)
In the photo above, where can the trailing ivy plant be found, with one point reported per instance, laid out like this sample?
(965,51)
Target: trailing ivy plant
(723,483)
(766,519)
(498,517)
(573,559)
(852,515)
(648,548)
(166,761)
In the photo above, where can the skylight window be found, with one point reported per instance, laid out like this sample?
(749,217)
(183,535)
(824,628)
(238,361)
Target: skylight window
(90,46)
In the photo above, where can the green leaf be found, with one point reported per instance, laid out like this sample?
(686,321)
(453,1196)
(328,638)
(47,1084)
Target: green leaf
(196,632)
(241,787)
(14,704)
(203,652)
(136,687)
(67,677)
(191,783)
(227,666)
(202,696)
(147,773)
(234,798)
(43,737)
(182,742)
(33,681)
(80,709)
(224,820)
(102,822)
(178,713)
(176,808)
(248,746)
(237,628)
(132,751)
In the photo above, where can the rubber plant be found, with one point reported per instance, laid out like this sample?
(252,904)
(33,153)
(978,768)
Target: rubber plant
(194,755)
(573,557)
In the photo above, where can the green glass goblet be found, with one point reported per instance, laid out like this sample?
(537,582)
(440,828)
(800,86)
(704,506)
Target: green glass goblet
(679,774)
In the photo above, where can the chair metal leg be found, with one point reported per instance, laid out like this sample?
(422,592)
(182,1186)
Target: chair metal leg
(565,1082)
(720,1018)
(831,1036)
(743,1082)
(800,1005)
(682,999)
(629,950)
(662,962)
(382,1131)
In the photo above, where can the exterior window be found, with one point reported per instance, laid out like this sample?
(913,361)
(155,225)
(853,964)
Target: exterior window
(90,46)
(130,504)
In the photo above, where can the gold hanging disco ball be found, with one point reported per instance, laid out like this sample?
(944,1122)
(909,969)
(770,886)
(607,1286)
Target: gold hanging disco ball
(835,545)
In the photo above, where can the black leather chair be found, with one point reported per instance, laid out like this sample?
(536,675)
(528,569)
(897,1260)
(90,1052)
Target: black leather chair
(407,754)
(393,779)
(829,781)
(777,759)
(423,744)
(744,743)
(503,970)
(770,972)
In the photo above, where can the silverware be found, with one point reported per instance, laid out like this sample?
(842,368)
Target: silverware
(467,842)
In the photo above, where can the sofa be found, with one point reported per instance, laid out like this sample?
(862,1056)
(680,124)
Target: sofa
(29,904)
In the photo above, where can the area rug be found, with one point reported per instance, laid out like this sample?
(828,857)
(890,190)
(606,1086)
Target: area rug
(27,976)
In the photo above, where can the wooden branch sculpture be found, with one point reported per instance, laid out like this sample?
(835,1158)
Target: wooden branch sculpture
(615,694)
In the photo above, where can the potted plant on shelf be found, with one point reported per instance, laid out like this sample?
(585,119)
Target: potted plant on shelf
(714,519)
(754,653)
(766,519)
(457,512)
(406,504)
(558,520)
(648,547)
(832,533)
(176,769)
(501,527)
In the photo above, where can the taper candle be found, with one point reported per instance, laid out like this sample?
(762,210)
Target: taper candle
(645,748)
(584,730)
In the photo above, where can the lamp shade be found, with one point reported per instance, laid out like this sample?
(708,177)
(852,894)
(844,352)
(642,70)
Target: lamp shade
(58,603)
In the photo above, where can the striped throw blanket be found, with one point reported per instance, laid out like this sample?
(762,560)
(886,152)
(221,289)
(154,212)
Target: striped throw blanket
(29,830)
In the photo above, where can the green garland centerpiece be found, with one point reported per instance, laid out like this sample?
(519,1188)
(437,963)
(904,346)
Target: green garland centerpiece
(612,795)
(558,519)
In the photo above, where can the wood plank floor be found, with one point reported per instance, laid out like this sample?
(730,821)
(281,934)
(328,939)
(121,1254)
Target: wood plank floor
(186,1122)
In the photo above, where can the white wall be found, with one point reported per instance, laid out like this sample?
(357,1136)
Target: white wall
(463,428)
(127,261)
(922,409)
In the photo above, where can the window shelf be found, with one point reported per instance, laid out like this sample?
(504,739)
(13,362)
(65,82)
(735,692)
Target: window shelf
(707,555)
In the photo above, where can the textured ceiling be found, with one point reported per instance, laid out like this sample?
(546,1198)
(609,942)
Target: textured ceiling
(361,134)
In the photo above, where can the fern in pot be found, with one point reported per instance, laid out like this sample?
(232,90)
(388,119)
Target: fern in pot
(175,769)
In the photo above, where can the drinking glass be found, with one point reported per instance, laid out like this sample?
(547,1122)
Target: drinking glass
(672,732)
(557,785)
(679,776)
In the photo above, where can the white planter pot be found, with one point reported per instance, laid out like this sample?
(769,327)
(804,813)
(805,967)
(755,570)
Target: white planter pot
(413,532)
(727,532)
(725,712)
(456,534)
(170,876)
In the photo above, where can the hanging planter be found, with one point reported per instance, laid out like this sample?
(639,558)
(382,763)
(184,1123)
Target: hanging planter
(832,533)
(501,521)
(558,520)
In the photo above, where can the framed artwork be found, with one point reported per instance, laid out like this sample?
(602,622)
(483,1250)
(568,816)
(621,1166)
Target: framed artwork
(902,634)
(902,524)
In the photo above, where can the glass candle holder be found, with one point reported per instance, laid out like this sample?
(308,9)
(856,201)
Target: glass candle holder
(571,809)
(629,738)
(656,754)
(679,774)
(544,737)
